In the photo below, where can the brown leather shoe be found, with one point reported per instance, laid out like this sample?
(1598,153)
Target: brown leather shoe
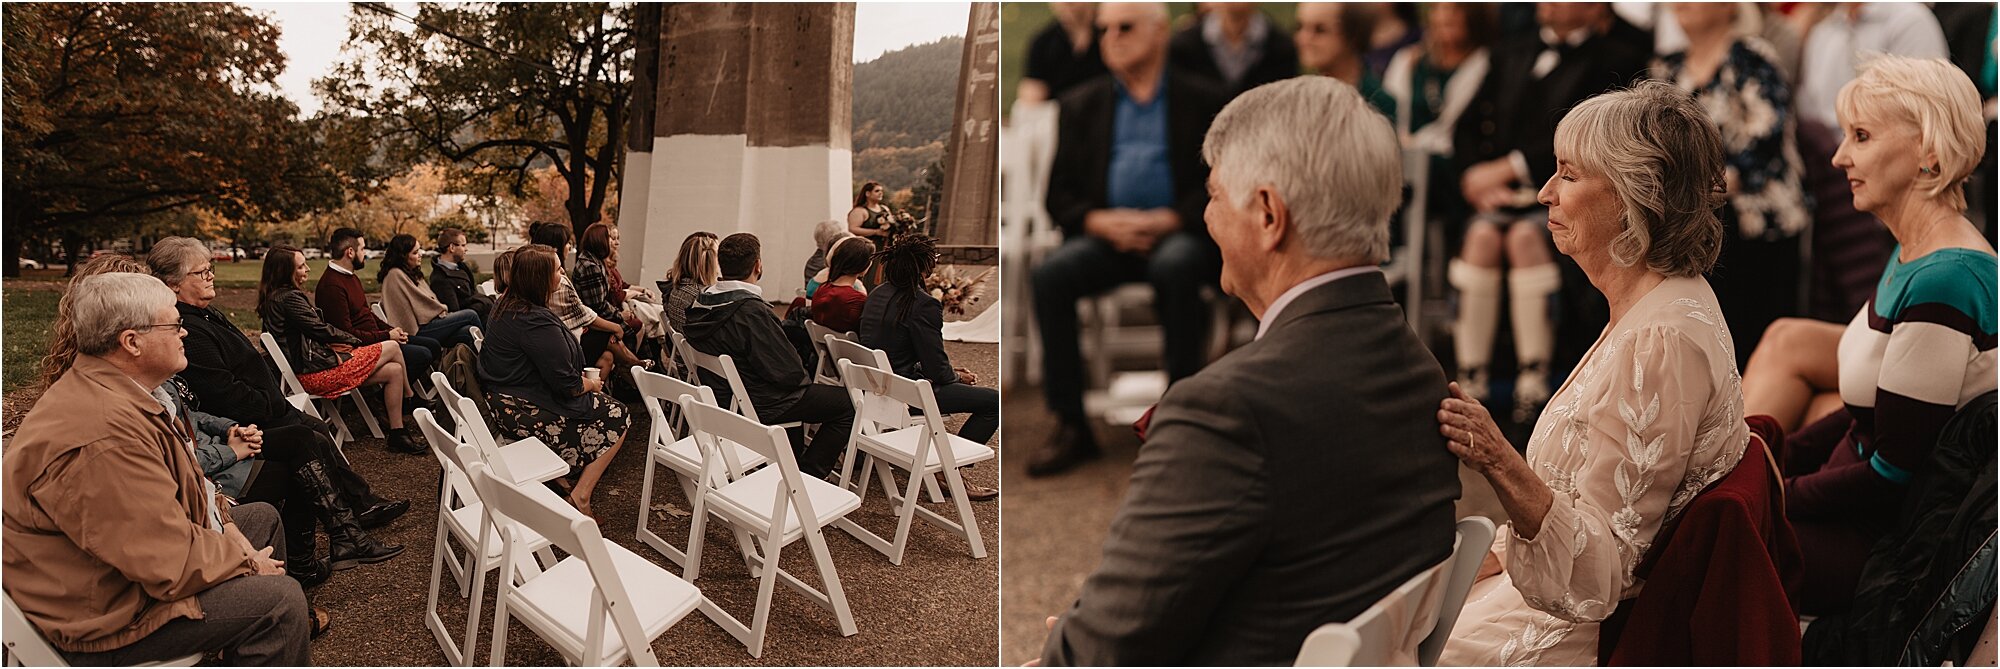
(1073,445)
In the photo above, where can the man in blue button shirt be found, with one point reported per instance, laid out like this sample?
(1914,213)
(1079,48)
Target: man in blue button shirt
(1127,187)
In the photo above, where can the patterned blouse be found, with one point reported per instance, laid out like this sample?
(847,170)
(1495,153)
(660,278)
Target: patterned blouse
(1652,415)
(1751,103)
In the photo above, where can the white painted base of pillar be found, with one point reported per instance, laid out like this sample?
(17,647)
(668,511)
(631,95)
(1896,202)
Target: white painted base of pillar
(721,184)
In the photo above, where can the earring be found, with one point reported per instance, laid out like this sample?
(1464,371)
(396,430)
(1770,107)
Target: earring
(1923,170)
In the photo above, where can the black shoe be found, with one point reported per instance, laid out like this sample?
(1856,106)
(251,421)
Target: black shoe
(381,514)
(309,573)
(1073,445)
(399,442)
(350,552)
(347,544)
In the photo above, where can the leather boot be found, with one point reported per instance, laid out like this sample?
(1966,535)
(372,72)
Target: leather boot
(349,544)
(302,560)
(399,442)
(1073,445)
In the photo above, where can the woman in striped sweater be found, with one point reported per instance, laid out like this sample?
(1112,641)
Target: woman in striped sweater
(1911,134)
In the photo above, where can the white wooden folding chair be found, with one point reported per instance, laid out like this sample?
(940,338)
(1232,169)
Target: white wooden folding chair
(1392,631)
(380,314)
(528,458)
(776,505)
(662,395)
(825,372)
(683,356)
(1475,537)
(478,338)
(853,351)
(486,288)
(459,515)
(725,367)
(883,435)
(27,648)
(598,607)
(330,403)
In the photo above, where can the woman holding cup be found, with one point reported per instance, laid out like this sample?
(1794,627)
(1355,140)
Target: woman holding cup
(538,383)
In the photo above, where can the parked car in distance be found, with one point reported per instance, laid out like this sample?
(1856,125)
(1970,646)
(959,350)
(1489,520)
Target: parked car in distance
(30,263)
(312,253)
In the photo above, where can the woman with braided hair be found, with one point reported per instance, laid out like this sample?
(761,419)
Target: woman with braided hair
(906,322)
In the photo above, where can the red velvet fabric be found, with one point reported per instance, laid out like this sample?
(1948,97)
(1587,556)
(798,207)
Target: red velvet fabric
(1720,583)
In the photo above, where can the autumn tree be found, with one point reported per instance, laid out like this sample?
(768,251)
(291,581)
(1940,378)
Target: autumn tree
(118,112)
(501,87)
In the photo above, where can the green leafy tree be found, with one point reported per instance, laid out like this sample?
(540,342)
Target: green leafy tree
(116,113)
(500,88)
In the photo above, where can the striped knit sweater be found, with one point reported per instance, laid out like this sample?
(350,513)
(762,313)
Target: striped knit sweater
(1922,347)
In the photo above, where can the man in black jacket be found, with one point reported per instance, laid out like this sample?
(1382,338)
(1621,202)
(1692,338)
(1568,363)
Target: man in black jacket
(1126,187)
(233,380)
(452,280)
(1237,45)
(731,318)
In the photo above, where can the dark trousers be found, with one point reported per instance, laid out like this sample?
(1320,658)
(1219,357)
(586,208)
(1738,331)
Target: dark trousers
(418,353)
(450,328)
(253,620)
(982,403)
(828,407)
(1084,266)
(271,481)
(353,489)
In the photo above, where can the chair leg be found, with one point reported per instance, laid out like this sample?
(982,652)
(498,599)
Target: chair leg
(699,527)
(967,522)
(332,410)
(906,512)
(367,417)
(830,577)
(431,617)
(760,620)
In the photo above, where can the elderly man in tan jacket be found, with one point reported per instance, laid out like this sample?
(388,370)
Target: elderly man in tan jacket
(112,542)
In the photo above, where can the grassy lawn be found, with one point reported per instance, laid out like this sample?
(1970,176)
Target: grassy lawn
(29,313)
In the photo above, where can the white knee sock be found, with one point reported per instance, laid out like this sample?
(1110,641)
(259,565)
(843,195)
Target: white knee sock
(1534,327)
(1478,314)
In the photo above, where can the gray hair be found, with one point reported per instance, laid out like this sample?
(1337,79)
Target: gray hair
(109,304)
(1333,159)
(1663,157)
(171,257)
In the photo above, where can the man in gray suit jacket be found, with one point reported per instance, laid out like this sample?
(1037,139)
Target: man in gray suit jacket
(1301,478)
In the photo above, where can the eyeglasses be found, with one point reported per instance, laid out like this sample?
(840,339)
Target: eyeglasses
(208,273)
(176,325)
(1117,28)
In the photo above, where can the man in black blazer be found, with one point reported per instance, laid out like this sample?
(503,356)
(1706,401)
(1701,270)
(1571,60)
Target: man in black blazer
(452,280)
(1505,152)
(1126,188)
(1237,45)
(1301,478)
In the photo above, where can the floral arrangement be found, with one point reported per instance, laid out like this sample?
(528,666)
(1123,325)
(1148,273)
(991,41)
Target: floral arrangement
(958,292)
(900,223)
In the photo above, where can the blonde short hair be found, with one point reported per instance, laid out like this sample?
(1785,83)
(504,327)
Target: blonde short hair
(1663,157)
(1939,100)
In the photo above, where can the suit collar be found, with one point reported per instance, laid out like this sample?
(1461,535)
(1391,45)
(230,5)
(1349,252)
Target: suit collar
(1356,290)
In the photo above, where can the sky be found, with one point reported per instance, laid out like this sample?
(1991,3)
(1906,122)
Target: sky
(314,31)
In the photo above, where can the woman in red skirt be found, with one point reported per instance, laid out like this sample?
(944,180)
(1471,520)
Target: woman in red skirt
(308,342)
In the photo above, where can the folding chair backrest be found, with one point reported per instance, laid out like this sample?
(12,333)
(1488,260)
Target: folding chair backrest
(379,313)
(683,355)
(25,645)
(444,446)
(819,333)
(450,396)
(1475,537)
(292,385)
(662,397)
(882,401)
(1390,630)
(579,536)
(478,337)
(481,438)
(846,349)
(725,367)
(711,425)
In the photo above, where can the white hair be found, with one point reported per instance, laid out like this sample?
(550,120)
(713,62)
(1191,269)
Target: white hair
(171,258)
(1324,150)
(111,303)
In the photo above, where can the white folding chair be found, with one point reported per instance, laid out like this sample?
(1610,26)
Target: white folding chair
(380,314)
(850,350)
(662,395)
(776,505)
(1393,631)
(883,435)
(683,356)
(486,288)
(825,372)
(528,458)
(330,403)
(27,648)
(725,367)
(1475,537)
(478,338)
(459,515)
(598,607)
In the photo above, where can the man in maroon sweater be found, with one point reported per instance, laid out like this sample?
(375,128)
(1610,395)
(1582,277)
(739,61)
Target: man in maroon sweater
(344,304)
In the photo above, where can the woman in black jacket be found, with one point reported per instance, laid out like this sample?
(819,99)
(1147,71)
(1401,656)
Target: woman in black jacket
(905,322)
(310,344)
(533,373)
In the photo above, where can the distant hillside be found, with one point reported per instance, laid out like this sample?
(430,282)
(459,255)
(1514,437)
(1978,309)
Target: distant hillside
(902,111)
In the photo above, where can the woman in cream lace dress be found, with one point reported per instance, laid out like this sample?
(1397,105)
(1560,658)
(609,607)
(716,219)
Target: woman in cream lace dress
(1652,414)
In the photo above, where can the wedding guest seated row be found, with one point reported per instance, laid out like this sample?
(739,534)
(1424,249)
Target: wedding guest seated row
(732,318)
(236,381)
(533,373)
(600,337)
(905,322)
(1920,349)
(330,361)
(343,304)
(159,565)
